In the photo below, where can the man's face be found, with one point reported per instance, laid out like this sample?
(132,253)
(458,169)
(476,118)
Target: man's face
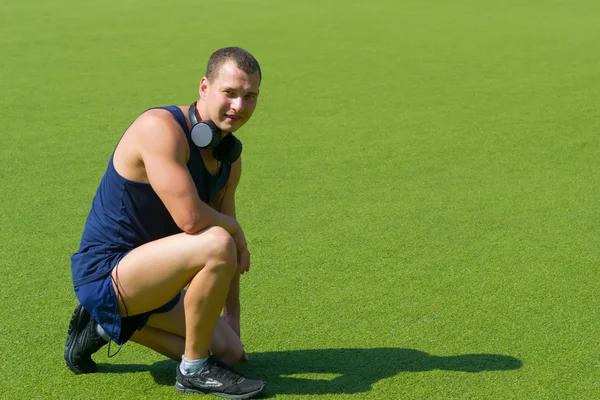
(230,99)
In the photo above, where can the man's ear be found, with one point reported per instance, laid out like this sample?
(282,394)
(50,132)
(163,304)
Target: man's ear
(203,89)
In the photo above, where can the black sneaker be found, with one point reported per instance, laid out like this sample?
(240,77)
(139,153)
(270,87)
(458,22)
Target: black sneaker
(215,377)
(82,342)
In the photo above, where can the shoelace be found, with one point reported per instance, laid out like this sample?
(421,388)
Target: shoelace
(223,371)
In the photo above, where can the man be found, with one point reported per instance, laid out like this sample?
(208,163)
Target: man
(163,219)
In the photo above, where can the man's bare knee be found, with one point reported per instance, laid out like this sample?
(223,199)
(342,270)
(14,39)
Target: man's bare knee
(220,248)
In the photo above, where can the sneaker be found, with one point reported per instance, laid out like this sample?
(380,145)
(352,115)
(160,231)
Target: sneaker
(82,342)
(215,377)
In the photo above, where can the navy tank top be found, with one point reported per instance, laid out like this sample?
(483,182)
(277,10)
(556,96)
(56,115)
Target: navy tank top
(126,214)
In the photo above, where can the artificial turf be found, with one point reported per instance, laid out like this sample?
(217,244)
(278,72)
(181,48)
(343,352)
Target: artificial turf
(420,190)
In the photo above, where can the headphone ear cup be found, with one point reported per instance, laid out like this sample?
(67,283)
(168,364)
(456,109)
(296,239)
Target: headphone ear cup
(205,134)
(229,150)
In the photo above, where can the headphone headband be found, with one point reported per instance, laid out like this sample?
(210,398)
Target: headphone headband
(192,114)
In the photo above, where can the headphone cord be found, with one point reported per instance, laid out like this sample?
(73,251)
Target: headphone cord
(224,193)
(116,285)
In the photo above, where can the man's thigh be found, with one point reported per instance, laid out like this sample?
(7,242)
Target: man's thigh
(172,321)
(154,273)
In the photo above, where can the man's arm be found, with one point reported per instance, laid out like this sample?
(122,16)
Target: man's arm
(164,153)
(226,204)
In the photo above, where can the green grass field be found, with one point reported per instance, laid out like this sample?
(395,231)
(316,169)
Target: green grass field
(420,190)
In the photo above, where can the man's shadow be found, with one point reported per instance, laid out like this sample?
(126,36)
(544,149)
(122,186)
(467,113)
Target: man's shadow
(336,371)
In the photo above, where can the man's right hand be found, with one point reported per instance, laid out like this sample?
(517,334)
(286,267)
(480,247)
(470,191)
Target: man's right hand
(243,255)
(243,259)
(239,238)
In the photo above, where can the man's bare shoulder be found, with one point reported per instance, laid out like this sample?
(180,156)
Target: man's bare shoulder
(157,124)
(154,133)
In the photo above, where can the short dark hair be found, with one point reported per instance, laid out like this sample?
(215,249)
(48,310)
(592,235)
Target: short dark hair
(242,59)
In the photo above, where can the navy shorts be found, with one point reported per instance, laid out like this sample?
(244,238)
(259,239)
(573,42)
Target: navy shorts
(98,297)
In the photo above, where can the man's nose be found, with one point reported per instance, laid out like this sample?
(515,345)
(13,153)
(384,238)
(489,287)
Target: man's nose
(237,103)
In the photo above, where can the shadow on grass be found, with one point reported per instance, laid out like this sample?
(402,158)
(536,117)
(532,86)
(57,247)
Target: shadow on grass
(335,371)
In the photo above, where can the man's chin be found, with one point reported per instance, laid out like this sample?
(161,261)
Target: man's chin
(228,127)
